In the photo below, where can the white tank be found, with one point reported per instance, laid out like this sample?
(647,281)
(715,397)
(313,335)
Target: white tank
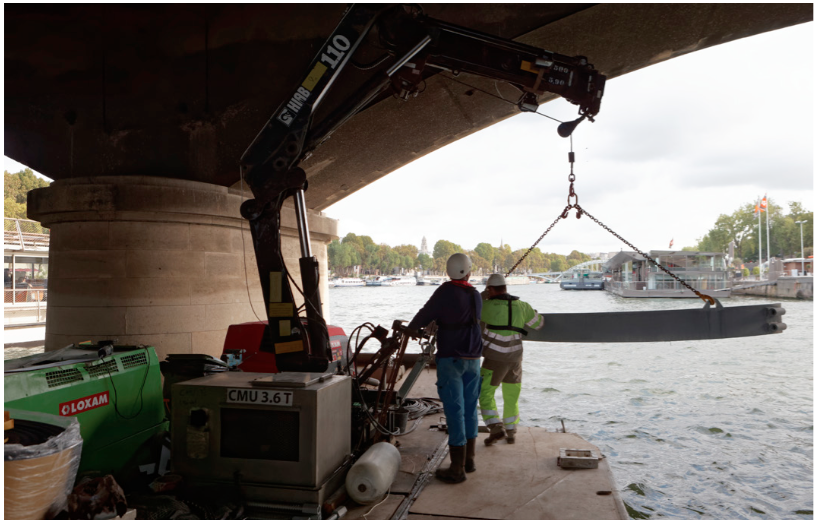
(372,475)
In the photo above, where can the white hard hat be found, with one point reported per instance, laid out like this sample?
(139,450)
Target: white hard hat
(496,279)
(458,266)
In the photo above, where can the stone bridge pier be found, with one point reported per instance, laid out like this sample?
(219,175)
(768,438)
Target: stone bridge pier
(163,262)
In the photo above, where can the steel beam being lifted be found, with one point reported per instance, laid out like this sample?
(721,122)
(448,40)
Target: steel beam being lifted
(661,325)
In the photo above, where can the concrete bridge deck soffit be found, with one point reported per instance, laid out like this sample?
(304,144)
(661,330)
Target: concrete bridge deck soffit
(181,90)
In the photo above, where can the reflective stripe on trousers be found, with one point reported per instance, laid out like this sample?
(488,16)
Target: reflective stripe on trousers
(511,399)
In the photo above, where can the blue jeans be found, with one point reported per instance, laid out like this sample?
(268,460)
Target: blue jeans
(458,385)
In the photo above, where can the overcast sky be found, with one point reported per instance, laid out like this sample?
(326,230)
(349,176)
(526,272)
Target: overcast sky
(674,146)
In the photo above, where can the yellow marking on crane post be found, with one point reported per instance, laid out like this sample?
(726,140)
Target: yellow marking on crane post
(287,348)
(284,328)
(314,76)
(276,279)
(528,66)
(280,310)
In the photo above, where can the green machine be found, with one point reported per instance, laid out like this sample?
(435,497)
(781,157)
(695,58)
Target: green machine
(115,392)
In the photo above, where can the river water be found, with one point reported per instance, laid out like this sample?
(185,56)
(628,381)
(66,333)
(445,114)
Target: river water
(692,430)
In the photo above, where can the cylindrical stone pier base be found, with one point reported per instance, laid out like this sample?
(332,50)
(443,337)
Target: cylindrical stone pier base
(167,263)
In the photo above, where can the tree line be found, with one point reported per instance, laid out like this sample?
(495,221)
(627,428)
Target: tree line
(359,254)
(15,191)
(741,227)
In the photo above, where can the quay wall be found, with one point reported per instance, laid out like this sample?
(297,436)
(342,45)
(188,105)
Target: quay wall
(783,287)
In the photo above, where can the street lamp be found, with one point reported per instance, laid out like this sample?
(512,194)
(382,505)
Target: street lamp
(801,223)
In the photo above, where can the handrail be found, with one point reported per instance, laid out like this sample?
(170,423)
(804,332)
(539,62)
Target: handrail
(22,234)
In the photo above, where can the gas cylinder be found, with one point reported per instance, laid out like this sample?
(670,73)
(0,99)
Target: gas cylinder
(372,475)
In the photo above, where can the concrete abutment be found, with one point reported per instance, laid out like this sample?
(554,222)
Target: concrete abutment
(163,262)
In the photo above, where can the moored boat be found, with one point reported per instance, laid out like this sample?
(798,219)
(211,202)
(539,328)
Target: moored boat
(635,276)
(348,282)
(584,280)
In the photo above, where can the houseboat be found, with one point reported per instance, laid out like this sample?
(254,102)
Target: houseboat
(25,280)
(634,276)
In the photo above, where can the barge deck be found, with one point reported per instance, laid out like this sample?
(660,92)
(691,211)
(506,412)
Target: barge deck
(520,481)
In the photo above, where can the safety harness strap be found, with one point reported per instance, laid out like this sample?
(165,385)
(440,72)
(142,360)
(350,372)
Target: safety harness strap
(523,331)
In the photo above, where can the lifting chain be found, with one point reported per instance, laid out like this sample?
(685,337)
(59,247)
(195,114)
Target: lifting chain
(703,297)
(580,212)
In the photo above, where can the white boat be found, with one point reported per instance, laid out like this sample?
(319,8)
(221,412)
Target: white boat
(399,281)
(348,282)
(377,281)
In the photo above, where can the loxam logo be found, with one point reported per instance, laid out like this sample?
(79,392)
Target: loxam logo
(69,408)
(329,60)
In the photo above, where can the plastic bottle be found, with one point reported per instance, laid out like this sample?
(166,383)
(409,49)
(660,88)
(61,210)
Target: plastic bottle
(372,475)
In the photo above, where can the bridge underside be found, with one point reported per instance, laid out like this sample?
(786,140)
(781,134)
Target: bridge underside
(179,91)
(141,113)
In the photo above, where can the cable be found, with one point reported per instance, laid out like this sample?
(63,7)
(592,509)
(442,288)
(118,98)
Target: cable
(384,499)
(244,249)
(371,65)
(141,388)
(499,97)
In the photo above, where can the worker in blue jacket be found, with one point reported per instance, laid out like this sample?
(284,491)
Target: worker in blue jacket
(456,308)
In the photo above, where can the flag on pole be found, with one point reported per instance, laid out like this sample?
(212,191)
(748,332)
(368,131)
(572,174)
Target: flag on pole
(756,212)
(671,244)
(763,205)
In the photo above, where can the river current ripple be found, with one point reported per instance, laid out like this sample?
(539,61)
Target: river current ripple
(692,430)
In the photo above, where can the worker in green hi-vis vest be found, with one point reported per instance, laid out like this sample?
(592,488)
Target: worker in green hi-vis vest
(506,319)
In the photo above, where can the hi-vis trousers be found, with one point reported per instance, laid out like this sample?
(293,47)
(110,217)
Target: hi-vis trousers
(511,397)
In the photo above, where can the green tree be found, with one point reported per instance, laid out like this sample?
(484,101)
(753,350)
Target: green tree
(445,249)
(425,261)
(15,192)
(486,251)
(478,263)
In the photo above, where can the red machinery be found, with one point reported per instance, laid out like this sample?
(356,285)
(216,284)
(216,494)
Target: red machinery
(248,336)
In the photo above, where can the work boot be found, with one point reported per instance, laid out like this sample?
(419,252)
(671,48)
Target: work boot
(470,444)
(497,433)
(455,473)
(510,436)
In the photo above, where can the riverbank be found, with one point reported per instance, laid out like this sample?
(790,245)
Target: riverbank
(787,287)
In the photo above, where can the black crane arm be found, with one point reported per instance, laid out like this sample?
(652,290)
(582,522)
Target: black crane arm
(414,45)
